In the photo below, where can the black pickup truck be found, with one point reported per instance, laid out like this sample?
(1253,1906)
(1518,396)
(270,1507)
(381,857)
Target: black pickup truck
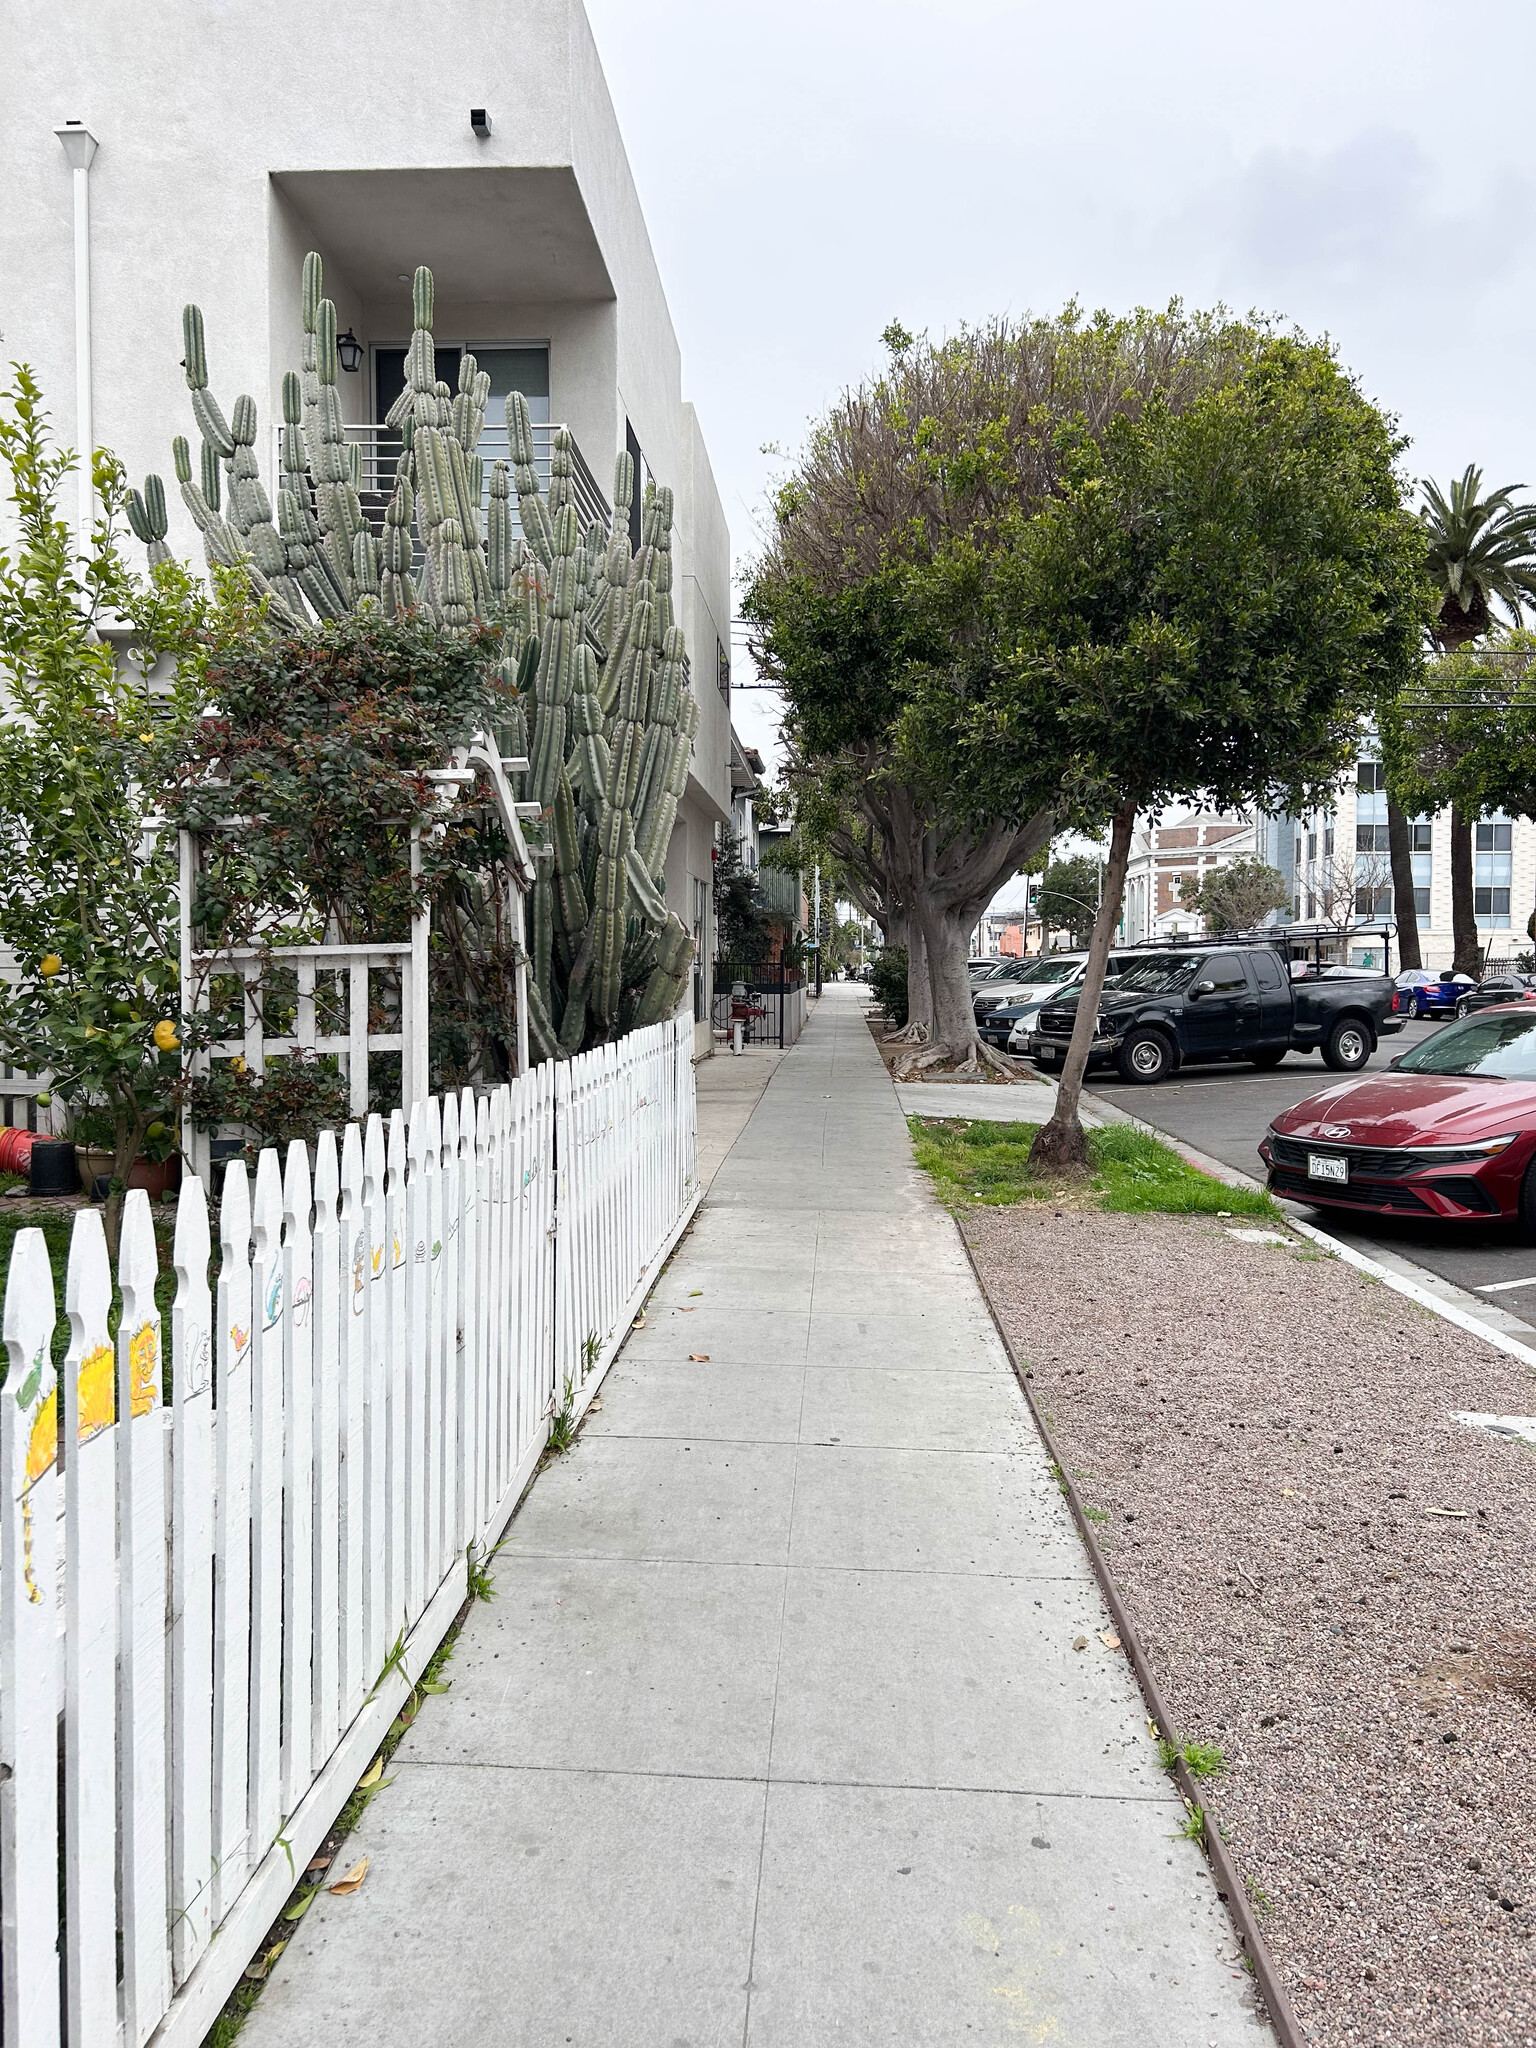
(1216,1002)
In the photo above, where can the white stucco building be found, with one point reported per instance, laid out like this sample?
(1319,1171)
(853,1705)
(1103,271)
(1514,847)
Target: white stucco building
(231,140)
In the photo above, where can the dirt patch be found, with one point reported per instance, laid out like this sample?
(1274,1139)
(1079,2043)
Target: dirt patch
(1332,1577)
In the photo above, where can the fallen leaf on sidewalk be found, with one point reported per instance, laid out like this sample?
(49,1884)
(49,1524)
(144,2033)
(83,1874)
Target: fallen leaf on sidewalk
(434,1684)
(372,1775)
(259,1968)
(354,1877)
(301,1905)
(639,1322)
(593,1406)
(693,1292)
(1081,1643)
(698,1358)
(1109,1639)
(685,1310)
(315,1864)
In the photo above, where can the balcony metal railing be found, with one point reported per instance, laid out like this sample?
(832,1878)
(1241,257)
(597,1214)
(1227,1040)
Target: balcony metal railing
(381,448)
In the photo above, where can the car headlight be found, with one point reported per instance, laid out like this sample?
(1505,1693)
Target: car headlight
(1483,1146)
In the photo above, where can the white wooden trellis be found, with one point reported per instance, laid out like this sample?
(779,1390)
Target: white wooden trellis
(347,1419)
(354,965)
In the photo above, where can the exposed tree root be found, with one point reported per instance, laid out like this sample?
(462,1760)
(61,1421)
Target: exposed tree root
(977,1058)
(909,1034)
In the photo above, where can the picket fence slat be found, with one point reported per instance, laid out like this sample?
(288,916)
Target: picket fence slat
(329,1619)
(192,1540)
(265,1791)
(352,1426)
(29,1673)
(352,1415)
(90,1639)
(234,1352)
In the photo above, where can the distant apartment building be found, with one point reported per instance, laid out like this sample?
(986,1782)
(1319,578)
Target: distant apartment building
(1337,871)
(480,141)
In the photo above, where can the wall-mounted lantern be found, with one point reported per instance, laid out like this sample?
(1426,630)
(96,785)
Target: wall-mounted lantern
(349,351)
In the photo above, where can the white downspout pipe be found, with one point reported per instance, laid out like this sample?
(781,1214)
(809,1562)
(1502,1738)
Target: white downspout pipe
(79,148)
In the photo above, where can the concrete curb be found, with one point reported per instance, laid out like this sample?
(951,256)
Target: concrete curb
(1230,1888)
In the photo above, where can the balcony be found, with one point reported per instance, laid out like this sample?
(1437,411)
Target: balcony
(380,449)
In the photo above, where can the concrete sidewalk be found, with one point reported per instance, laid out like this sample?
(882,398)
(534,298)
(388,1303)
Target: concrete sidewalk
(776,1735)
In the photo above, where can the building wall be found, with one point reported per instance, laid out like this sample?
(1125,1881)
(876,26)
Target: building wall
(233,140)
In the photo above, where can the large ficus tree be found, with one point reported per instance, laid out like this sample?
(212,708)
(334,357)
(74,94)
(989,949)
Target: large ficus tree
(887,603)
(1221,586)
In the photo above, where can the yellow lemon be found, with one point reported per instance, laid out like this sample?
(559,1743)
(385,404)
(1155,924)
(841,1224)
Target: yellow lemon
(165,1035)
(237,1065)
(50,965)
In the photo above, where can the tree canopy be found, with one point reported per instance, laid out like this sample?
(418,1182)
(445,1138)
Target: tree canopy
(1050,573)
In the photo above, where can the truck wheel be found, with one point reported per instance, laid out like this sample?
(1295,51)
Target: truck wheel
(1348,1046)
(1144,1056)
(1271,1056)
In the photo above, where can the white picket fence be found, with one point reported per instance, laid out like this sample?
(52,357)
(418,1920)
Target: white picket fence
(223,1601)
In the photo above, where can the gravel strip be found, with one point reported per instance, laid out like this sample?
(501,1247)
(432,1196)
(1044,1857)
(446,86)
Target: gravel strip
(1333,1581)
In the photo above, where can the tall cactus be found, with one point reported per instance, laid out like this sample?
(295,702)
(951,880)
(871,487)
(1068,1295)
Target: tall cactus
(589,664)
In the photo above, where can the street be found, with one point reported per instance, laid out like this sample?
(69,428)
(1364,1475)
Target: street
(1224,1110)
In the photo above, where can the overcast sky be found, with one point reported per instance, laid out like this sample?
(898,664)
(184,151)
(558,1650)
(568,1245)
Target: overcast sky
(812,171)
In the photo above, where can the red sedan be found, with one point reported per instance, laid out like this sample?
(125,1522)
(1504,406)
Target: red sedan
(1449,1130)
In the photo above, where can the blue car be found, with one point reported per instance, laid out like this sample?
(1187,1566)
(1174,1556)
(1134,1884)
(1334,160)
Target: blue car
(1430,995)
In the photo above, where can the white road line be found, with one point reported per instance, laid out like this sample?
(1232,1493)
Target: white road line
(1503,1286)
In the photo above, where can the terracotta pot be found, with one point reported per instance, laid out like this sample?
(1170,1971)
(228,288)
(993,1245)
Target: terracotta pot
(154,1176)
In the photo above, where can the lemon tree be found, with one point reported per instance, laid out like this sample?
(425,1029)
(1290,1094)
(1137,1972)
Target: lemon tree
(88,903)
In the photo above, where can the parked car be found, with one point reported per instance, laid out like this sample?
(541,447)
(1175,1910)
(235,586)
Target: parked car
(1497,989)
(1448,1130)
(1216,1002)
(1016,980)
(1417,994)
(1010,1022)
(983,970)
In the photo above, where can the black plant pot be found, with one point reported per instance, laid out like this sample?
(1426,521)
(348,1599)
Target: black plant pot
(51,1170)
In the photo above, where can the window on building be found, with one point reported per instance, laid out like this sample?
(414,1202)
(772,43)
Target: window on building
(1370,778)
(1298,851)
(1311,846)
(1492,858)
(632,443)
(1421,830)
(1371,839)
(1373,898)
(1328,844)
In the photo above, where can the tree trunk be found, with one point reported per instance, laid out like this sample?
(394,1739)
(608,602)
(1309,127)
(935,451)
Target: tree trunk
(947,937)
(919,983)
(1399,841)
(1466,953)
(1061,1143)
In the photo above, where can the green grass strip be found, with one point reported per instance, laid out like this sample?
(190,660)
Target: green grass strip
(1131,1171)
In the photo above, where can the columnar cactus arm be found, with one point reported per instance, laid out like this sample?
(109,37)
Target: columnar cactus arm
(147,516)
(674,957)
(557,661)
(537,530)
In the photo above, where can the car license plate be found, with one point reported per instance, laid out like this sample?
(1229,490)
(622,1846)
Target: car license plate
(1319,1167)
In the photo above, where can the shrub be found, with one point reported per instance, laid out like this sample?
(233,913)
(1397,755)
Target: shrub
(890,983)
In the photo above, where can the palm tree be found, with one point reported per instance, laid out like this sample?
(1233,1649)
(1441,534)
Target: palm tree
(1479,549)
